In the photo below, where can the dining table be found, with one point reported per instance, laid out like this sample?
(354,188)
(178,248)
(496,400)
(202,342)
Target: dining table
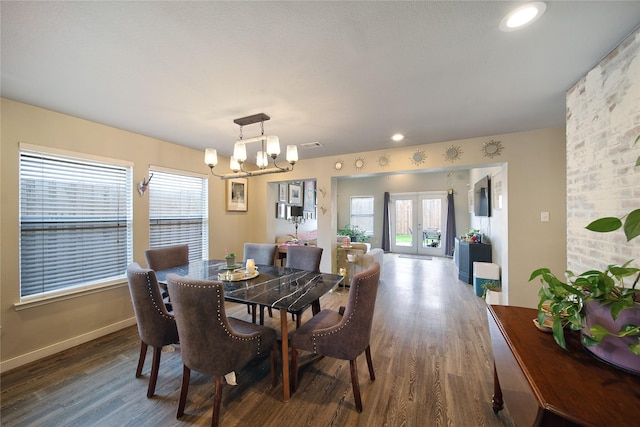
(289,290)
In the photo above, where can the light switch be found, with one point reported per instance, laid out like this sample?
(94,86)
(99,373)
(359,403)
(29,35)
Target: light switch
(544,216)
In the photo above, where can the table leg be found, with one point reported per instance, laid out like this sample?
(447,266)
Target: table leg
(285,355)
(496,399)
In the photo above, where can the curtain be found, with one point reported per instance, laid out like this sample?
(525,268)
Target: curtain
(451,225)
(386,242)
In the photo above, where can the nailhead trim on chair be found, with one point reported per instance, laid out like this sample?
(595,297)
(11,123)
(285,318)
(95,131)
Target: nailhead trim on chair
(150,290)
(228,332)
(343,326)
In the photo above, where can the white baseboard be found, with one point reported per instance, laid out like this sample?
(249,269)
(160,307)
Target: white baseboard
(23,359)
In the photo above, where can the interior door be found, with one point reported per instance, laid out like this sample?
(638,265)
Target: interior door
(418,223)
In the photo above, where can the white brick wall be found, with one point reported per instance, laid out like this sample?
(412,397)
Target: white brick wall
(603,120)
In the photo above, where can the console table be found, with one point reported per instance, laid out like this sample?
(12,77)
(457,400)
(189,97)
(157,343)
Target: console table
(544,385)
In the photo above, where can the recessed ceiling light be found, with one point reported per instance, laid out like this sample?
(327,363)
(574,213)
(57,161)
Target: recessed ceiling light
(522,16)
(397,137)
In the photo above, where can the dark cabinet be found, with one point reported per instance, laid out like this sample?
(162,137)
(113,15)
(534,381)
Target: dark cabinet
(468,254)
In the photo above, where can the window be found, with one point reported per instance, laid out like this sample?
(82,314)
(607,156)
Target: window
(362,213)
(75,222)
(178,212)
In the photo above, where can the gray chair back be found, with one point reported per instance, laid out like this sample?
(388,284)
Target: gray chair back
(304,257)
(262,253)
(355,327)
(208,341)
(167,257)
(156,326)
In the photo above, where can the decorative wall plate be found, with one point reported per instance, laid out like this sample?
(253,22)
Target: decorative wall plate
(418,157)
(492,148)
(452,153)
(383,160)
(338,165)
(359,163)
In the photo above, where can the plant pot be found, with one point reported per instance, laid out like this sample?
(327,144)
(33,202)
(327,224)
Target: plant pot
(231,261)
(612,350)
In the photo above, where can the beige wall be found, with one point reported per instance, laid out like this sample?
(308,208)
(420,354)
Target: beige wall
(536,182)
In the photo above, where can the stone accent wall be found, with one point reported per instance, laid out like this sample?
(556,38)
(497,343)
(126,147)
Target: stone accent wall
(603,120)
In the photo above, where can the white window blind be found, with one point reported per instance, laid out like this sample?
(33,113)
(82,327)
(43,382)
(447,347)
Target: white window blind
(362,213)
(178,212)
(75,222)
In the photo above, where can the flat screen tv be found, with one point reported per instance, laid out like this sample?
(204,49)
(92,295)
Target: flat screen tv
(482,197)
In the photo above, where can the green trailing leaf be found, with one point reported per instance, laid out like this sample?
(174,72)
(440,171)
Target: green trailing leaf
(632,225)
(635,348)
(605,225)
(558,333)
(588,341)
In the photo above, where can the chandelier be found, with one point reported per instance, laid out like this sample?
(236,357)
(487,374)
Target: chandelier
(269,147)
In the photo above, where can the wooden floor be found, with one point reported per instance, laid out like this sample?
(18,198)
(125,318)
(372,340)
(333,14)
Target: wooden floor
(430,348)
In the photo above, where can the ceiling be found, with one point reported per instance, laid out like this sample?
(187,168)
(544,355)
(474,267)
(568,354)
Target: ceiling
(345,74)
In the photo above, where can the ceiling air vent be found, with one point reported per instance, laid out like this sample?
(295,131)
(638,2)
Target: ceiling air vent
(311,145)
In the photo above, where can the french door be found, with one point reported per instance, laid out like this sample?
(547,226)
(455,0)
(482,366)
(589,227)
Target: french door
(418,222)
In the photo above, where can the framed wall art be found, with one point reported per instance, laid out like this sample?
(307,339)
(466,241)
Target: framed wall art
(309,204)
(236,194)
(295,194)
(282,193)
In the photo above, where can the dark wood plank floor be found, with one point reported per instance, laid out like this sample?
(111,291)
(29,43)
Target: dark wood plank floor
(430,346)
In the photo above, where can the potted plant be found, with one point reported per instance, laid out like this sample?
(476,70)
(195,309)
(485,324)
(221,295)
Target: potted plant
(230,257)
(603,305)
(354,233)
(490,290)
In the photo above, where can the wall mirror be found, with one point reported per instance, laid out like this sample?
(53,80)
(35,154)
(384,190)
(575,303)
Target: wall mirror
(491,148)
(418,156)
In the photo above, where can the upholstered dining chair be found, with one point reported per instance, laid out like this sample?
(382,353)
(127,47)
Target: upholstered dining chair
(344,334)
(304,258)
(262,254)
(211,342)
(156,326)
(167,257)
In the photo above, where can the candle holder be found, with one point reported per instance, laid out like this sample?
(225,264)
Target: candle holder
(296,218)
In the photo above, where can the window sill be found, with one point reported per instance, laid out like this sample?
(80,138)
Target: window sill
(36,301)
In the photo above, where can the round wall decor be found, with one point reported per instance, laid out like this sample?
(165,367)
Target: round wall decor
(452,153)
(338,165)
(383,160)
(418,157)
(359,163)
(492,148)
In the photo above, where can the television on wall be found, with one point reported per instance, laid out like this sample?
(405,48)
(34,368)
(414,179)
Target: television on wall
(482,197)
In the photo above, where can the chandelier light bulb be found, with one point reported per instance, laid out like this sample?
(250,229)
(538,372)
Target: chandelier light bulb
(273,146)
(211,157)
(292,154)
(240,151)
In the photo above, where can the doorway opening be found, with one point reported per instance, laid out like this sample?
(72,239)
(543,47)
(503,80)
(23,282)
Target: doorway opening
(418,223)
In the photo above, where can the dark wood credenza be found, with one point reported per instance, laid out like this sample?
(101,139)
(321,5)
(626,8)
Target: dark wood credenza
(542,384)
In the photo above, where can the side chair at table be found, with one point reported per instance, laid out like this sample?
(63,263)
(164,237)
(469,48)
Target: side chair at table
(345,334)
(156,326)
(304,258)
(167,257)
(262,254)
(211,342)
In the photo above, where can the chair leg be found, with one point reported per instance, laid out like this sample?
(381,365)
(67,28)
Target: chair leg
(186,374)
(155,367)
(294,369)
(367,352)
(143,354)
(298,320)
(262,315)
(254,311)
(217,399)
(355,384)
(274,359)
(270,312)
